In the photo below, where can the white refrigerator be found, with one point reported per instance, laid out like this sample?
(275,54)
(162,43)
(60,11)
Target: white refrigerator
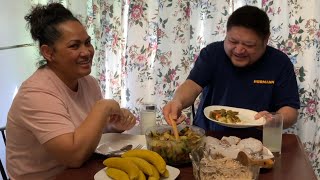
(18,55)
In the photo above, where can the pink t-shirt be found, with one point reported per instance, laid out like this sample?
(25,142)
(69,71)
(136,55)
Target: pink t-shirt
(44,108)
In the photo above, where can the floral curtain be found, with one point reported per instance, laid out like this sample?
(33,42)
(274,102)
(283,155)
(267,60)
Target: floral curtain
(296,31)
(145,49)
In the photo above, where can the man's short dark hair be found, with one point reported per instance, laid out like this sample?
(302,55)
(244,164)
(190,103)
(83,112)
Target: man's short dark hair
(250,17)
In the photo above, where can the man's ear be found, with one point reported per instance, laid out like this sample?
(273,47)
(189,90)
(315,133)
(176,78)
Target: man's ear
(47,52)
(266,40)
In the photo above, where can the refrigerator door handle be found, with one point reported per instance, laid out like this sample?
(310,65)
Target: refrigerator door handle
(17,46)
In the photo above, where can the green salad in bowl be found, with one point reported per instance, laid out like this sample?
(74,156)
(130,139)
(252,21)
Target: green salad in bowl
(175,152)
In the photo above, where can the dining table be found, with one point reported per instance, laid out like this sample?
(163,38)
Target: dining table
(291,164)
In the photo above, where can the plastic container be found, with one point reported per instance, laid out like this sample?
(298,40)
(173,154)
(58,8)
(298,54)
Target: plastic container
(161,140)
(217,169)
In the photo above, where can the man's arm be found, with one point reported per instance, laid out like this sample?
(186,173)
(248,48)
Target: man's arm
(184,97)
(187,93)
(290,116)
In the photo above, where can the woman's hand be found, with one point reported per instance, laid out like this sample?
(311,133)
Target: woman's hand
(121,123)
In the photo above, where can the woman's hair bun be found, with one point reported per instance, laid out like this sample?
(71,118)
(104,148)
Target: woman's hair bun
(43,19)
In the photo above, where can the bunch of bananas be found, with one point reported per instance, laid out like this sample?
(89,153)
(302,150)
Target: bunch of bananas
(138,164)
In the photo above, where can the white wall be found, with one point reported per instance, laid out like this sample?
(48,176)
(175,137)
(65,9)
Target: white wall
(13,26)
(16,63)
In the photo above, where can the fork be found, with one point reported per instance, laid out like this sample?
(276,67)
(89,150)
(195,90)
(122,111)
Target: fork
(117,154)
(139,146)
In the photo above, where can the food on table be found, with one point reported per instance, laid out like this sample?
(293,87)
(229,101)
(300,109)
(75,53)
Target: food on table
(224,168)
(117,174)
(174,128)
(150,156)
(230,147)
(141,176)
(142,164)
(123,164)
(253,146)
(166,173)
(225,116)
(156,174)
(218,159)
(230,140)
(161,140)
(136,164)
(246,160)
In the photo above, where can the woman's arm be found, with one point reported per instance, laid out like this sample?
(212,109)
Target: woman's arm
(72,149)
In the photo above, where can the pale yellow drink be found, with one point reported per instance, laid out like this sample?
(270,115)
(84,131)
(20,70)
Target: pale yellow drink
(272,138)
(272,132)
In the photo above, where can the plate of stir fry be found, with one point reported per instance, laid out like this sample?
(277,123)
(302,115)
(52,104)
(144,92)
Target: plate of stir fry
(232,116)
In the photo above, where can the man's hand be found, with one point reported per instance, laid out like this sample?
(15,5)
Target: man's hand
(289,114)
(173,108)
(261,114)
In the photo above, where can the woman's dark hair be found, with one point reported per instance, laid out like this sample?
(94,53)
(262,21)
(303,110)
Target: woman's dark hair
(42,22)
(250,17)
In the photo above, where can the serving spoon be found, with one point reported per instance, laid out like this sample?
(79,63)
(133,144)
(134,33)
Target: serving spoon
(244,159)
(174,128)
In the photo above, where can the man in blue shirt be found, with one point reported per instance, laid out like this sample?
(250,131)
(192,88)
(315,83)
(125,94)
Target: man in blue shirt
(241,71)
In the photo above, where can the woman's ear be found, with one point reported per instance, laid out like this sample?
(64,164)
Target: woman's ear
(47,52)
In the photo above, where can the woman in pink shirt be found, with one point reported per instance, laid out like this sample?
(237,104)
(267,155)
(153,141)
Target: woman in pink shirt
(58,115)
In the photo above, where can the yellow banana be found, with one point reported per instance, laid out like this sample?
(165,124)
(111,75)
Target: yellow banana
(150,156)
(152,178)
(156,175)
(142,164)
(117,174)
(124,165)
(141,176)
(165,174)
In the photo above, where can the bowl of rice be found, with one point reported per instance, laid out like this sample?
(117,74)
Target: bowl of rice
(209,166)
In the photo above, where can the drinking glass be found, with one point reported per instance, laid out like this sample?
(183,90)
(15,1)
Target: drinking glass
(272,132)
(147,117)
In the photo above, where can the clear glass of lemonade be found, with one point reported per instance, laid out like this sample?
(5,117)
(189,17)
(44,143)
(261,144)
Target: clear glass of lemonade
(272,132)
(147,117)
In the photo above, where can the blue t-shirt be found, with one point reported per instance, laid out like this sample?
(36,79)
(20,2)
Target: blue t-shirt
(268,84)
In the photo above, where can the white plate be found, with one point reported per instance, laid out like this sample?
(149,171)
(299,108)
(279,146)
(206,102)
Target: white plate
(173,174)
(246,116)
(114,141)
